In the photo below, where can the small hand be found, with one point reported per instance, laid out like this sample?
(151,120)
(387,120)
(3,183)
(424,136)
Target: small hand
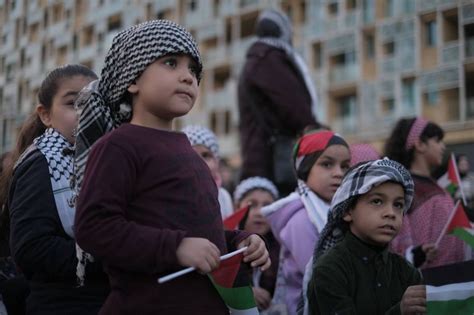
(256,253)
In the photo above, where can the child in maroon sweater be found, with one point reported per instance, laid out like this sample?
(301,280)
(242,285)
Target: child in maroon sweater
(148,204)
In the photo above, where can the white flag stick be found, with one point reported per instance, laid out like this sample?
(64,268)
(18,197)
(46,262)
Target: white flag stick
(459,179)
(447,223)
(191,269)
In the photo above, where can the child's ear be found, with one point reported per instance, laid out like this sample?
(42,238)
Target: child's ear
(420,146)
(133,88)
(348,216)
(44,115)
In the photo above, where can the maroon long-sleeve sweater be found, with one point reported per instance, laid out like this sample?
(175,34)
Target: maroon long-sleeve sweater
(144,191)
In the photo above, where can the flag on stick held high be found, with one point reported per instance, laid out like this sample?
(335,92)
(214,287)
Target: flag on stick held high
(451,181)
(239,299)
(458,225)
(232,222)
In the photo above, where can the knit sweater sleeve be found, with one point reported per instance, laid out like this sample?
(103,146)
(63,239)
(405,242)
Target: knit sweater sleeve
(102,227)
(39,244)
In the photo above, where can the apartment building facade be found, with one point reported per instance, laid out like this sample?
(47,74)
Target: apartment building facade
(372,61)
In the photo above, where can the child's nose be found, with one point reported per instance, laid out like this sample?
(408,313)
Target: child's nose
(338,171)
(186,76)
(390,211)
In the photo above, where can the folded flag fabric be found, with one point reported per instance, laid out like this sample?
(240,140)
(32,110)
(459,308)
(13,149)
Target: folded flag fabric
(452,299)
(459,226)
(451,180)
(238,298)
(231,222)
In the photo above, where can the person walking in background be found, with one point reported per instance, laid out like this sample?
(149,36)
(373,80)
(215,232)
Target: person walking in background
(40,204)
(147,203)
(418,145)
(205,143)
(277,101)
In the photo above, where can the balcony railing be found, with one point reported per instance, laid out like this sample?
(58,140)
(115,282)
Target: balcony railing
(343,74)
(388,65)
(345,125)
(450,52)
(470,47)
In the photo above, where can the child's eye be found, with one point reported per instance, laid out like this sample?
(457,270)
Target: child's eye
(194,69)
(399,205)
(345,167)
(326,164)
(172,62)
(376,201)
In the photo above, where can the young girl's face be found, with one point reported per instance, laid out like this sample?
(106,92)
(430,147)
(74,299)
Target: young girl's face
(211,160)
(256,222)
(62,116)
(167,88)
(434,150)
(377,216)
(326,174)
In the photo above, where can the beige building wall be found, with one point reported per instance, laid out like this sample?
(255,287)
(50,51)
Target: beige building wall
(369,58)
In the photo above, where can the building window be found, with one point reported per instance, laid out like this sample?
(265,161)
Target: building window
(192,5)
(88,36)
(114,23)
(389,8)
(408,6)
(227,122)
(389,49)
(347,106)
(351,4)
(408,93)
(317,56)
(368,10)
(57,12)
(388,106)
(215,7)
(333,8)
(369,41)
(430,33)
(213,122)
(221,77)
(432,98)
(10,71)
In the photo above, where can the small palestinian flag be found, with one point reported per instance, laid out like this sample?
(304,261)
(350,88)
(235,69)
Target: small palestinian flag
(451,181)
(450,289)
(239,299)
(232,221)
(453,299)
(459,226)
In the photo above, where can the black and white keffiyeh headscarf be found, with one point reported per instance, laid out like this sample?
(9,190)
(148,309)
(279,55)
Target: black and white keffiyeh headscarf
(103,105)
(199,135)
(359,181)
(58,154)
(283,42)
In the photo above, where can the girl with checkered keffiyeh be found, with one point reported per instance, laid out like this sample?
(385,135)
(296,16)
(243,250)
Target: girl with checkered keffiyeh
(41,210)
(418,145)
(147,203)
(320,158)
